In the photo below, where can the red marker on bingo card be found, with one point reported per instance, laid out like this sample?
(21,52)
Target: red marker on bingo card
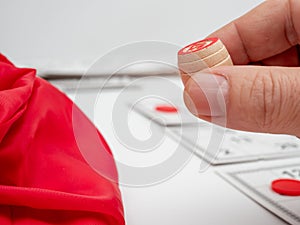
(288,187)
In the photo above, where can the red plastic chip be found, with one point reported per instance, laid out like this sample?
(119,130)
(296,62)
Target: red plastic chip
(289,187)
(166,109)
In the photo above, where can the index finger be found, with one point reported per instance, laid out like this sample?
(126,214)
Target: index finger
(268,30)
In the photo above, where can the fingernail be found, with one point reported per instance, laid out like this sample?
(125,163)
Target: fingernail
(206,94)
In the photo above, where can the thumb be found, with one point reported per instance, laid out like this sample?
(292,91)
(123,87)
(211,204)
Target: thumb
(251,98)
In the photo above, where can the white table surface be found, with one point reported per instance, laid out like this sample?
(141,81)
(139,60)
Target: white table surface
(189,196)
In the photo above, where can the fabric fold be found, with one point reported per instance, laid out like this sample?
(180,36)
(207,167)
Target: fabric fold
(42,167)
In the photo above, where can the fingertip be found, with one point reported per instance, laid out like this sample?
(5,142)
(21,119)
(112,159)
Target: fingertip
(205,94)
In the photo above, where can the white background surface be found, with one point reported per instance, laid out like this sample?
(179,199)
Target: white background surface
(189,196)
(72,32)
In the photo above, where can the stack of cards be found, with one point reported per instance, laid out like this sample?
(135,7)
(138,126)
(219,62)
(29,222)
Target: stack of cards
(203,54)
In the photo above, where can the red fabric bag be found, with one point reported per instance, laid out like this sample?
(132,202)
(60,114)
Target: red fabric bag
(44,177)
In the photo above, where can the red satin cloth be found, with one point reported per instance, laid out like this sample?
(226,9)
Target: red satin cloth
(44,178)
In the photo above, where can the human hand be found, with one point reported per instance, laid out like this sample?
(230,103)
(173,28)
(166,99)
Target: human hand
(262,90)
